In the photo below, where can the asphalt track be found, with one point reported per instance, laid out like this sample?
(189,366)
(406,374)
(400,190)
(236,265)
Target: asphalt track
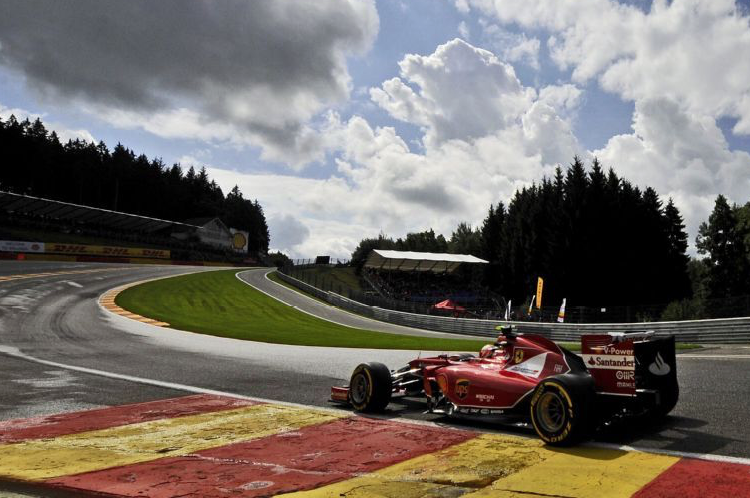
(49,312)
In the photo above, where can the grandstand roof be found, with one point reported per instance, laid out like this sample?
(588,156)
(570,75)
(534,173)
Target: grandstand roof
(38,206)
(418,261)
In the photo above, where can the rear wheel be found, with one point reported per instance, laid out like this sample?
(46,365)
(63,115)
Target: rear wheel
(370,387)
(560,409)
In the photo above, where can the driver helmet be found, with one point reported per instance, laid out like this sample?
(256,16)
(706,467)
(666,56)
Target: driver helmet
(487,351)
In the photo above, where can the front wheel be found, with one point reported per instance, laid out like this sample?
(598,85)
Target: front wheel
(370,387)
(561,409)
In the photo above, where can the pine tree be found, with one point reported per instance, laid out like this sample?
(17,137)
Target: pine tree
(722,243)
(677,260)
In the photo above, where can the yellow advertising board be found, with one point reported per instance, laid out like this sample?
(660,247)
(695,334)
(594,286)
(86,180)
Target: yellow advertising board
(539,288)
(87,250)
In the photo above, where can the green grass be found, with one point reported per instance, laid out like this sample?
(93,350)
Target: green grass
(217,303)
(343,277)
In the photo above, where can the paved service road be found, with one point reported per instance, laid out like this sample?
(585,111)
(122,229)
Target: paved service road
(52,314)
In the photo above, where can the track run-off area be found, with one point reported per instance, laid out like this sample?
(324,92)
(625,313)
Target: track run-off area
(97,402)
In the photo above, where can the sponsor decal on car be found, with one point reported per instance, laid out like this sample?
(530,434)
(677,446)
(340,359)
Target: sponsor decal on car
(612,365)
(530,368)
(518,356)
(442,383)
(611,362)
(466,410)
(659,366)
(485,398)
(462,388)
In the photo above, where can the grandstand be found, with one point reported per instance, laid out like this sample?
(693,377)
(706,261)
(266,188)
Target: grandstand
(35,219)
(429,278)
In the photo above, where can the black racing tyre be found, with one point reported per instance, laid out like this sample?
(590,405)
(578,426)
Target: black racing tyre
(561,409)
(370,387)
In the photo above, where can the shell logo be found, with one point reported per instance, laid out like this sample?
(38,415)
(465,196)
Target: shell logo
(239,241)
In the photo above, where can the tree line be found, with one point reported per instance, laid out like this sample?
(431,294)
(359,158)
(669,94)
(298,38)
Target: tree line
(598,240)
(35,162)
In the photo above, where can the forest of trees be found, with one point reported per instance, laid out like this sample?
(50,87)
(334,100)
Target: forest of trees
(35,162)
(721,279)
(597,240)
(594,237)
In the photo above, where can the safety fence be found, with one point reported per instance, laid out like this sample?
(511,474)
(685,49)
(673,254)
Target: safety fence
(490,306)
(717,331)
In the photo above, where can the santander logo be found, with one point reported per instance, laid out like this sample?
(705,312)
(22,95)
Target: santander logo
(659,366)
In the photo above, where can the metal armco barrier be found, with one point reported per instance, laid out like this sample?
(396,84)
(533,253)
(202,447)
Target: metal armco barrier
(715,331)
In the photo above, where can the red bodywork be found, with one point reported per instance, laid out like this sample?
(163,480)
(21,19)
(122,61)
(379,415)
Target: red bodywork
(632,371)
(498,379)
(616,375)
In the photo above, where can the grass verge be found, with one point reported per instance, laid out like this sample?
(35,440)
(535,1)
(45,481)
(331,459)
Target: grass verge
(217,303)
(339,277)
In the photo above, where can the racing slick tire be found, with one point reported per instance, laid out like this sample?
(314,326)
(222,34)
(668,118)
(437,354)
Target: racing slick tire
(561,409)
(370,387)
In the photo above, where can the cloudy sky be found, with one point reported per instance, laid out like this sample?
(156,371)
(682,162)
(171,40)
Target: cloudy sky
(347,118)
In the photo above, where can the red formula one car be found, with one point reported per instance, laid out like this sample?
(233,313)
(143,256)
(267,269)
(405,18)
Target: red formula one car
(566,396)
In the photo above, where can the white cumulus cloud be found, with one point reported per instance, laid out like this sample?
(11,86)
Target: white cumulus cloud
(486,135)
(249,72)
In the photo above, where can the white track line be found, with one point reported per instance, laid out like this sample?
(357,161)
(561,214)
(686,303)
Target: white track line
(441,335)
(16,353)
(458,336)
(716,356)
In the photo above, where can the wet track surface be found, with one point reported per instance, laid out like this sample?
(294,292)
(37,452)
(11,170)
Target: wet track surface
(56,317)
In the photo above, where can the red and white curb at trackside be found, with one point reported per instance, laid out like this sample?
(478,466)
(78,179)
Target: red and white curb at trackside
(215,443)
(107,302)
(210,445)
(16,353)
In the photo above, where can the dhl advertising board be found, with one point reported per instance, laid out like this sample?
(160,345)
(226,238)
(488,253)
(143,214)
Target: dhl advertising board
(81,249)
(88,250)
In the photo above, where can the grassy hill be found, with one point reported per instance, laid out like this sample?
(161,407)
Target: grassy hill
(217,303)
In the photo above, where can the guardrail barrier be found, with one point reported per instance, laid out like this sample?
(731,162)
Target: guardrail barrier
(711,331)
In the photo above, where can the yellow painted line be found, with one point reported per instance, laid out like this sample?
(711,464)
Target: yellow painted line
(135,443)
(107,300)
(23,276)
(509,467)
(583,473)
(453,471)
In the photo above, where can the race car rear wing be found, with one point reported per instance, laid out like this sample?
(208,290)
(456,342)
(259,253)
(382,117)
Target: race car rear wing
(622,364)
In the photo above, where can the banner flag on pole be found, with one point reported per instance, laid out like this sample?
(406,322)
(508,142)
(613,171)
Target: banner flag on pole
(507,310)
(531,304)
(539,288)
(561,314)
